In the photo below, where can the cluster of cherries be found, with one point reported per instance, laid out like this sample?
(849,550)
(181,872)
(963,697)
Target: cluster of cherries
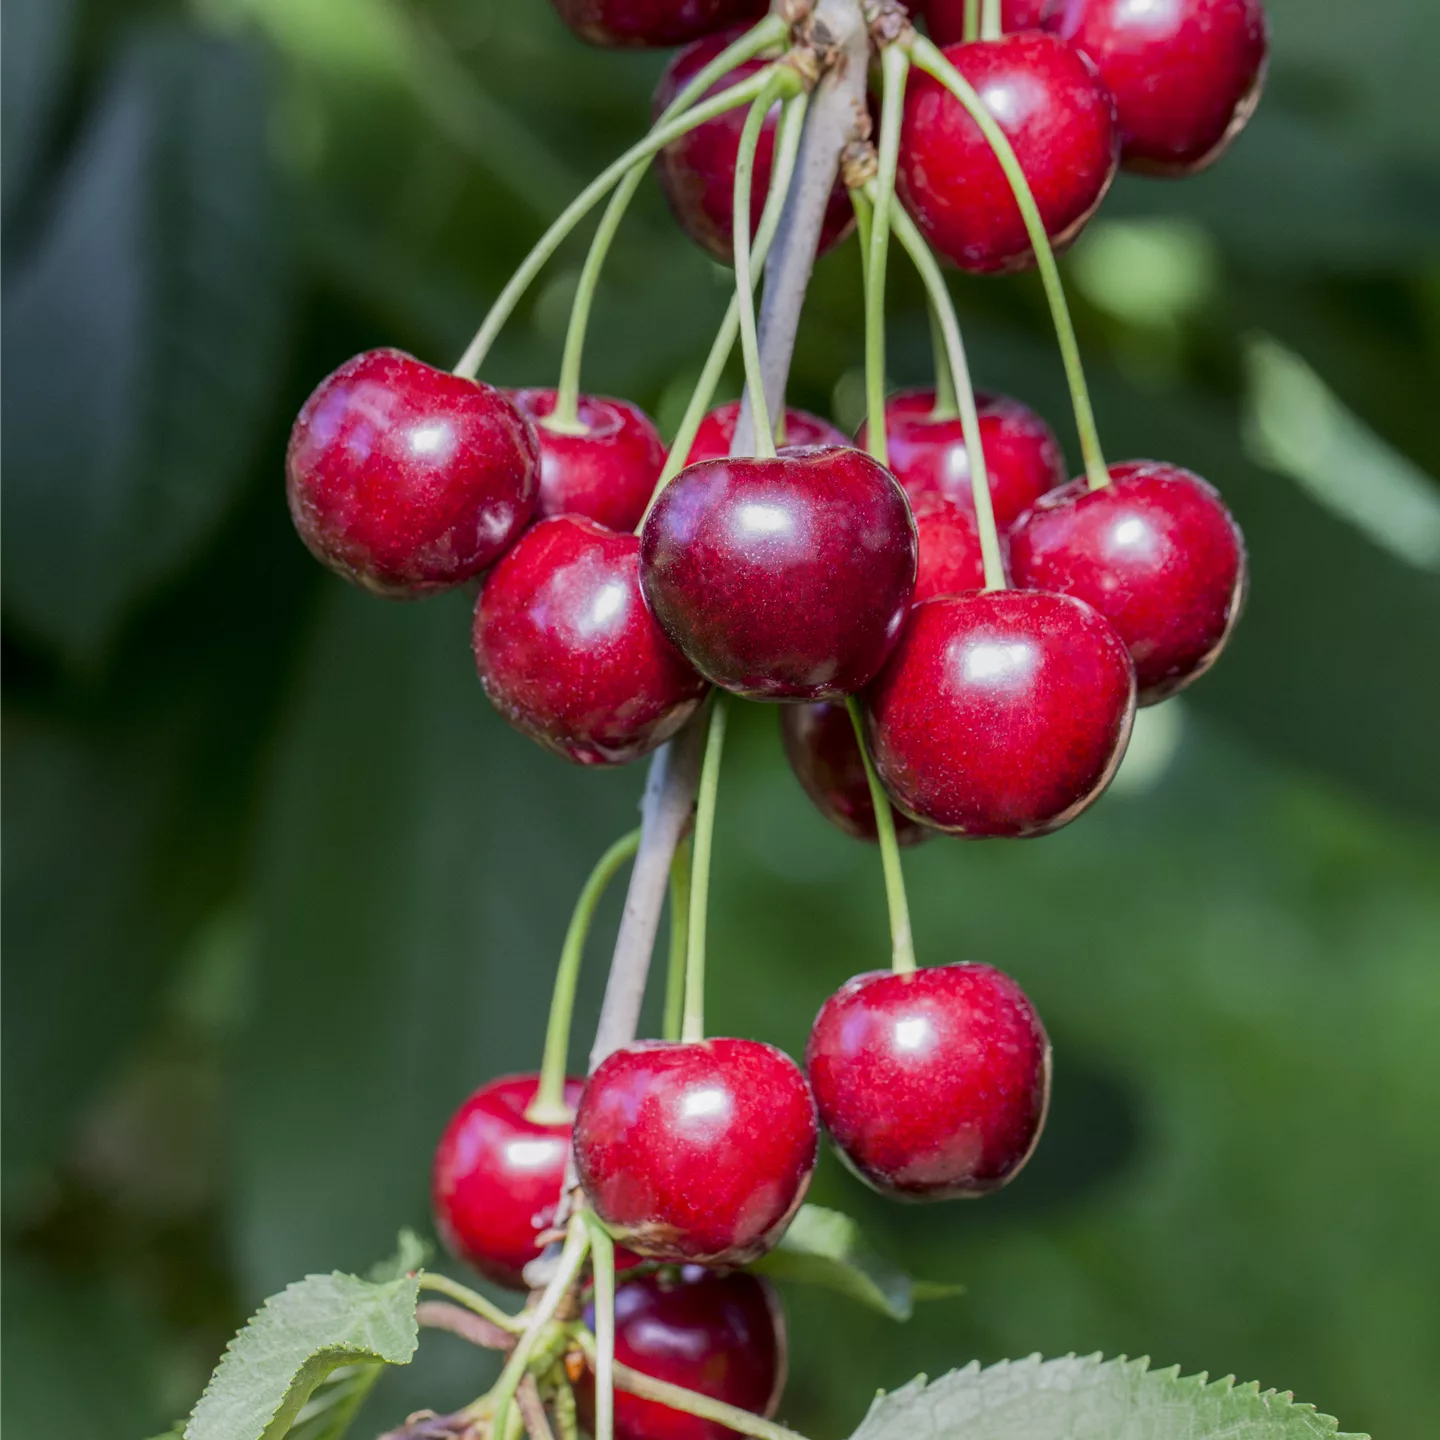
(606,613)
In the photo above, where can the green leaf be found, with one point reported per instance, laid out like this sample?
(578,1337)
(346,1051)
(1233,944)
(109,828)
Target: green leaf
(296,1340)
(825,1247)
(411,1253)
(1088,1398)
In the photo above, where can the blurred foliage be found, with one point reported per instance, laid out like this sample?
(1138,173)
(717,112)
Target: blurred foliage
(281,888)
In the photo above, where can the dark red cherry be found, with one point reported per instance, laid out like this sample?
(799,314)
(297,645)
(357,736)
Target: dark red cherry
(696,1152)
(716,433)
(497,1178)
(820,746)
(569,653)
(933,1085)
(697,171)
(1155,552)
(720,1335)
(1003,713)
(654,22)
(951,561)
(782,579)
(607,473)
(946,18)
(1186,74)
(1059,119)
(1023,459)
(408,480)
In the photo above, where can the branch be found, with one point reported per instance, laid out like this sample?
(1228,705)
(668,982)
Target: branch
(441,1315)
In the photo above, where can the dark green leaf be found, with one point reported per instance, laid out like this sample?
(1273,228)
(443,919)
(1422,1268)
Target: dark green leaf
(37,36)
(1087,1398)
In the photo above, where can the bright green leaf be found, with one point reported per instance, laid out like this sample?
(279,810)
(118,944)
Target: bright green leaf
(1087,1398)
(297,1339)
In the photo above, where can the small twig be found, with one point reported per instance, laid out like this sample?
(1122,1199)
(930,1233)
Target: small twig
(442,1315)
(532,1410)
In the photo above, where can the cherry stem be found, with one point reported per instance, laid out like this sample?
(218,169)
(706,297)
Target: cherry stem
(782,81)
(679,933)
(902,942)
(933,62)
(971,24)
(946,406)
(444,1285)
(602,1252)
(549,1107)
(991,27)
(565,417)
(787,146)
(659,137)
(690,1402)
(943,311)
(692,1025)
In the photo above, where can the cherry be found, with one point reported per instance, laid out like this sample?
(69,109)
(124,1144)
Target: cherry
(1059,119)
(946,18)
(697,171)
(820,745)
(720,1335)
(782,579)
(608,472)
(653,22)
(1001,713)
(408,480)
(497,1178)
(569,653)
(1156,552)
(717,432)
(696,1151)
(951,561)
(1186,74)
(1023,459)
(933,1084)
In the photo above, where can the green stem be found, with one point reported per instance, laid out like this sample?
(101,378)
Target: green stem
(991,27)
(679,931)
(934,63)
(783,79)
(692,1026)
(787,146)
(946,406)
(602,1251)
(971,29)
(549,1107)
(565,417)
(943,311)
(444,1285)
(737,95)
(902,942)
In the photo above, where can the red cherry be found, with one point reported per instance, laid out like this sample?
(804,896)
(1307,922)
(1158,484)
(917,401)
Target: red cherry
(408,480)
(1002,713)
(1156,553)
(1186,74)
(716,433)
(498,1176)
(934,1084)
(609,472)
(1059,119)
(1023,459)
(951,561)
(782,579)
(697,171)
(653,22)
(696,1152)
(569,653)
(719,1335)
(946,18)
(820,745)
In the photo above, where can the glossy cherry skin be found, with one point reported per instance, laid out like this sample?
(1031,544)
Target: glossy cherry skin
(697,171)
(933,1085)
(720,1335)
(716,432)
(1186,74)
(1156,553)
(408,480)
(1003,713)
(609,472)
(497,1178)
(568,651)
(782,579)
(946,18)
(820,746)
(653,22)
(951,561)
(696,1152)
(1023,459)
(1059,119)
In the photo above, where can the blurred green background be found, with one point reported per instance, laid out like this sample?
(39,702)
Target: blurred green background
(280,887)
